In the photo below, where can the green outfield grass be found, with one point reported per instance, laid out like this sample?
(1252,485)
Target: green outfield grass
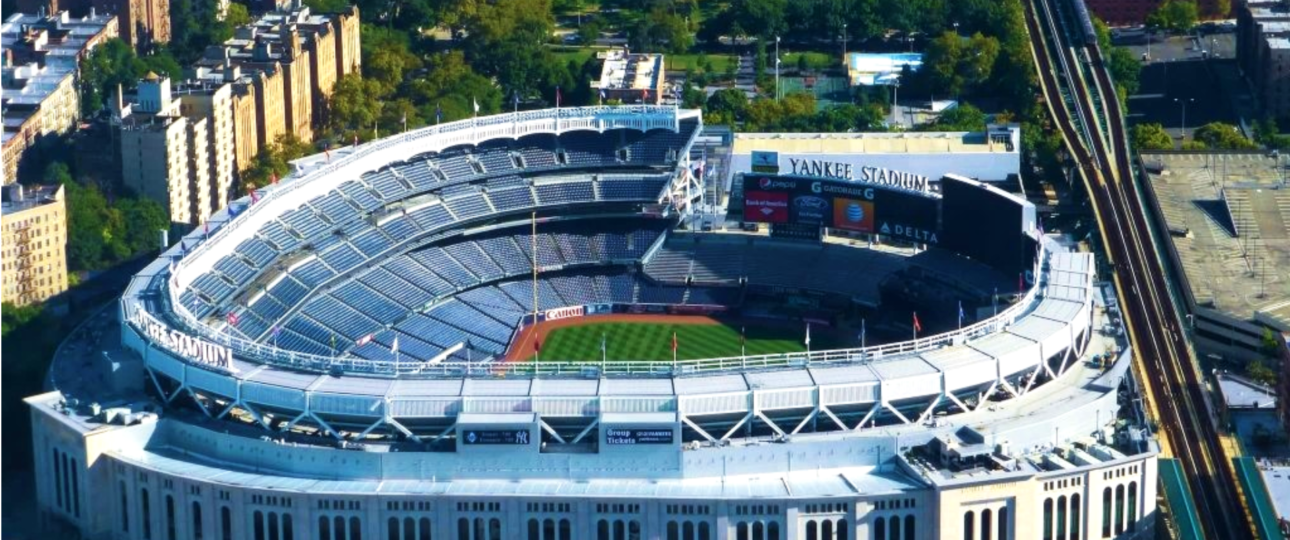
(652,342)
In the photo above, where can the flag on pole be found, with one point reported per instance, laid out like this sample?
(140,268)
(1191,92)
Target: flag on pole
(918,327)
(438,113)
(276,330)
(255,197)
(862,332)
(515,101)
(273,178)
(364,340)
(327,152)
(674,349)
(394,347)
(1021,282)
(602,96)
(333,344)
(645,97)
(808,335)
(355,139)
(743,337)
(404,120)
(557,97)
(604,343)
(232,318)
(206,228)
(961,314)
(537,345)
(475,102)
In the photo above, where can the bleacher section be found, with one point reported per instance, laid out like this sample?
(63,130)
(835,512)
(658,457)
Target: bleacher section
(726,259)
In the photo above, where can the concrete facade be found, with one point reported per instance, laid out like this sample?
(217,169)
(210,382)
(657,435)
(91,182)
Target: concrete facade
(34,227)
(1263,52)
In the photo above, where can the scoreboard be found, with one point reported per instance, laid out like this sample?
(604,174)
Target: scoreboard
(788,202)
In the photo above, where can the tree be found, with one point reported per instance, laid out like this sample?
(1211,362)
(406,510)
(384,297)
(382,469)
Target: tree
(1151,137)
(964,117)
(761,18)
(731,101)
(1220,136)
(1267,134)
(108,67)
(1174,15)
(354,107)
(195,25)
(450,85)
(275,161)
(142,219)
(1259,371)
(953,64)
(89,227)
(662,31)
(236,15)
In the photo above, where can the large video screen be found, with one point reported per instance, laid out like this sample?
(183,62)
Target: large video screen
(843,205)
(986,224)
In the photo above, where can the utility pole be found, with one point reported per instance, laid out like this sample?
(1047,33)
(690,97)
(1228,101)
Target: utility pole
(776,68)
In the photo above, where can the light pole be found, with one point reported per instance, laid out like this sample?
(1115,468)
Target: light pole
(776,68)
(895,103)
(1183,102)
(844,44)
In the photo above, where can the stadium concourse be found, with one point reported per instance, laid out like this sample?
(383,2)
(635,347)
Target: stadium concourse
(324,361)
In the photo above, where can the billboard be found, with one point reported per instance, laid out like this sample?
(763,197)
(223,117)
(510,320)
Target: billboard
(841,204)
(988,224)
(765,162)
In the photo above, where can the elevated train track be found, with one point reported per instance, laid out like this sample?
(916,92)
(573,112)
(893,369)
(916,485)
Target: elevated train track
(1086,108)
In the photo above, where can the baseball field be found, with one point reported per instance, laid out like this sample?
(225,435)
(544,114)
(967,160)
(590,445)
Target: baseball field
(649,338)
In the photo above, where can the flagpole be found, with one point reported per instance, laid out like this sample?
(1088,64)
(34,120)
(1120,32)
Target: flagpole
(743,346)
(862,332)
(537,354)
(604,353)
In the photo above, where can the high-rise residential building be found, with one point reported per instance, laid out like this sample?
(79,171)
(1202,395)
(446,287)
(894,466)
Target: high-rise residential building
(41,59)
(213,102)
(33,223)
(162,155)
(144,23)
(1263,52)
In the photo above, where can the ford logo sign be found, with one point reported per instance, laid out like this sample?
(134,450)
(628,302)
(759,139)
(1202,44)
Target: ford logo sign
(811,203)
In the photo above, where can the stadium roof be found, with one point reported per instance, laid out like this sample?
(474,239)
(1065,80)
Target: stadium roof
(952,142)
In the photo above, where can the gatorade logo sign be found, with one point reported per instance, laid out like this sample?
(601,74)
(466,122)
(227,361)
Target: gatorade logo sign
(766,207)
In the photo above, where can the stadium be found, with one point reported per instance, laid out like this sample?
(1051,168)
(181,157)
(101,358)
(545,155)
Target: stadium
(515,326)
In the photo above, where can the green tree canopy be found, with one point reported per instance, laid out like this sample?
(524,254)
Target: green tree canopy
(1174,15)
(450,84)
(1220,136)
(964,117)
(1151,137)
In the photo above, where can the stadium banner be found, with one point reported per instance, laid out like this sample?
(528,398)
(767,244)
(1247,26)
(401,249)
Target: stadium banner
(797,231)
(567,312)
(662,435)
(517,437)
(695,309)
(647,308)
(196,350)
(843,204)
(765,162)
(598,309)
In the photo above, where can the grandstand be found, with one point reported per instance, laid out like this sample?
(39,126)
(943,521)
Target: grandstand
(255,389)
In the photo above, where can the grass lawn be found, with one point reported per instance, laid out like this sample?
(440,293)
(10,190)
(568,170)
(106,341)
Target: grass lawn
(682,62)
(653,341)
(577,54)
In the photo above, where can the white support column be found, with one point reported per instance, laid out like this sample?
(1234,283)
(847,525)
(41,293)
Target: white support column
(547,428)
(698,429)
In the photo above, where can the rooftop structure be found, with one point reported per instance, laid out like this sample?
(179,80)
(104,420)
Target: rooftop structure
(1230,240)
(631,78)
(870,69)
(41,58)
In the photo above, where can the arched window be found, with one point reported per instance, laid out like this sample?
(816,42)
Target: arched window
(687,530)
(494,529)
(895,528)
(423,529)
(170,517)
(1003,523)
(1106,512)
(125,509)
(288,530)
(969,525)
(843,534)
(338,527)
(409,529)
(273,526)
(602,530)
(535,529)
(226,524)
(355,528)
(463,529)
(197,521)
(324,528)
(705,533)
(257,525)
(479,529)
(393,525)
(633,530)
(1061,518)
(145,506)
(772,530)
(566,530)
(880,528)
(826,529)
(811,532)
(910,532)
(1119,509)
(758,531)
(673,531)
(987,524)
(548,529)
(1076,511)
(741,531)
(1133,505)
